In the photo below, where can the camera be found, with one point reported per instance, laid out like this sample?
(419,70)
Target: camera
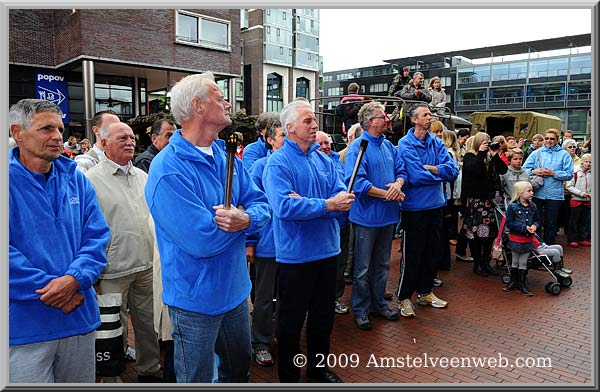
(494,146)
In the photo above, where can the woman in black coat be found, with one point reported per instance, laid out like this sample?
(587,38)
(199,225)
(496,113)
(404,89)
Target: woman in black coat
(480,191)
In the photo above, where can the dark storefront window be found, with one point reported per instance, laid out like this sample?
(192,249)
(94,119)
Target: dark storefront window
(115,93)
(274,93)
(302,88)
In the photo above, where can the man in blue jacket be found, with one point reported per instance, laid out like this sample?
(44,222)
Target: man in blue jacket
(58,239)
(428,166)
(378,190)
(306,194)
(325,143)
(258,149)
(201,243)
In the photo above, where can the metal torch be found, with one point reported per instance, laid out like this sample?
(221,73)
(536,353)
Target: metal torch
(361,152)
(231,147)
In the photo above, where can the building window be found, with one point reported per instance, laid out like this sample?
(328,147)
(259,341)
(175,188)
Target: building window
(548,67)
(274,92)
(580,91)
(509,71)
(581,65)
(378,87)
(202,31)
(474,74)
(509,95)
(471,97)
(335,91)
(578,122)
(116,94)
(546,92)
(302,88)
(224,87)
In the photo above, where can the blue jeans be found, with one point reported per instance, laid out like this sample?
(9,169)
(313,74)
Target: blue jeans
(549,211)
(372,247)
(198,337)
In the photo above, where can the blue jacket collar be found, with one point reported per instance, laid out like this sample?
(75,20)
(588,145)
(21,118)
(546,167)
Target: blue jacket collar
(62,165)
(294,147)
(415,140)
(187,150)
(373,139)
(554,148)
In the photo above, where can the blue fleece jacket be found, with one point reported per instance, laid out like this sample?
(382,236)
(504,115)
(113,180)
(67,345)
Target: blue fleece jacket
(265,244)
(380,166)
(424,190)
(253,152)
(56,228)
(204,268)
(303,229)
(557,159)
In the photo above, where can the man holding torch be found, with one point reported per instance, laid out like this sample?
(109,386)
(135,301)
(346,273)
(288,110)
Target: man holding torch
(201,241)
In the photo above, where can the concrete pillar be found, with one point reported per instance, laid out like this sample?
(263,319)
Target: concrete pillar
(136,97)
(89,97)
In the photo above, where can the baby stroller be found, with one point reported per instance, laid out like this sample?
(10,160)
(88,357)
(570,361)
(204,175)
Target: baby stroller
(536,260)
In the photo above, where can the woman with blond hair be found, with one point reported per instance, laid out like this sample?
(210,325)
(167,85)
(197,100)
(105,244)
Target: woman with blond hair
(480,185)
(438,94)
(555,165)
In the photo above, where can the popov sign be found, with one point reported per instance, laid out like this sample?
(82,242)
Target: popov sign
(52,87)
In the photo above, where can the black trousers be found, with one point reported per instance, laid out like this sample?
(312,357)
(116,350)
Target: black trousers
(342,260)
(304,288)
(422,245)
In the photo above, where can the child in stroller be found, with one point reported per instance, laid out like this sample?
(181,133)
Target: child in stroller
(542,257)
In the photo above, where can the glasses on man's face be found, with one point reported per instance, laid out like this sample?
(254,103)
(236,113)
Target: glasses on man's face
(570,146)
(382,116)
(549,138)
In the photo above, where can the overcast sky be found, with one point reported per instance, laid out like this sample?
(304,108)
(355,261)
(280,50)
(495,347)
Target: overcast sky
(351,38)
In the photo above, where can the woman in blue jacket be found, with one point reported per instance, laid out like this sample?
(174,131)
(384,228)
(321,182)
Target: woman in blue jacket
(555,165)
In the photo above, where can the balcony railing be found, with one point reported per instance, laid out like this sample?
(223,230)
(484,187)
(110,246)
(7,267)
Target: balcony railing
(506,100)
(546,98)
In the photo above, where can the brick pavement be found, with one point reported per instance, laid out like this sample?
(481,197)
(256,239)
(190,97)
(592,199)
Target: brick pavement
(481,321)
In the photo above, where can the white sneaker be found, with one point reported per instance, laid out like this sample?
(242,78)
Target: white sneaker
(130,353)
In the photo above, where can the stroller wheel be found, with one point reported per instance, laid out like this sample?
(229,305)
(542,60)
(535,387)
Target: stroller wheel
(553,288)
(505,278)
(566,282)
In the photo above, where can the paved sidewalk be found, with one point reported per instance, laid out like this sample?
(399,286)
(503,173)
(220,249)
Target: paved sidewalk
(481,321)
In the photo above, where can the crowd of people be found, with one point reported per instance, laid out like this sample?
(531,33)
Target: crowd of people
(155,230)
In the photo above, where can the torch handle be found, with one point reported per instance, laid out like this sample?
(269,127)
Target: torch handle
(359,158)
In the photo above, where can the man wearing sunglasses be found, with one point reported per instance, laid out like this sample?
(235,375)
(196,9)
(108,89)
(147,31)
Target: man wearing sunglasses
(553,163)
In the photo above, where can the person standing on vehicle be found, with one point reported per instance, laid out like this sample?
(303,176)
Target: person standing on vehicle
(414,91)
(347,110)
(400,80)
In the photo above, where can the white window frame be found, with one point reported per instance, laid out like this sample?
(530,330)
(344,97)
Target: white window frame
(200,18)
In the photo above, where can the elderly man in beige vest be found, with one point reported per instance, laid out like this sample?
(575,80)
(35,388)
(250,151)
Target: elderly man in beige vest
(120,191)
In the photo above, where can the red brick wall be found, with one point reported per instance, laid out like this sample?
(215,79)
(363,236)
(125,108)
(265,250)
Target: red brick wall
(51,37)
(67,38)
(30,38)
(147,36)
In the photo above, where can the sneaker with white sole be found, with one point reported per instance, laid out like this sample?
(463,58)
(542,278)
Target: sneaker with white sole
(406,308)
(263,357)
(431,299)
(130,353)
(341,308)
(467,259)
